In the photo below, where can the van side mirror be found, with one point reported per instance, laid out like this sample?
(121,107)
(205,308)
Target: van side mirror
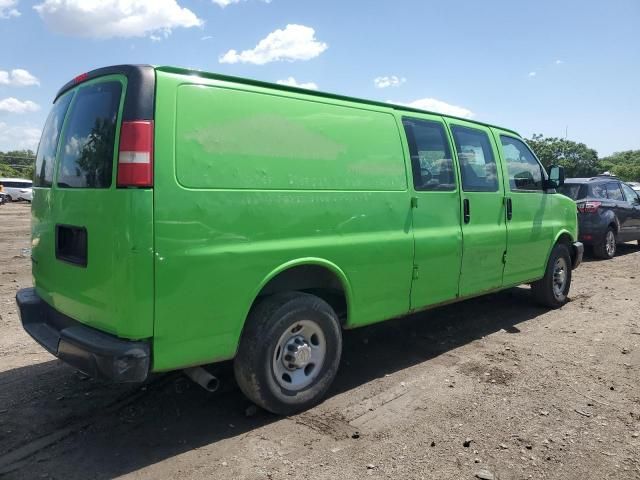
(556,176)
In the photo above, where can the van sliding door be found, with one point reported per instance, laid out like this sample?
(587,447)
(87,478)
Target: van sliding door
(484,231)
(435,212)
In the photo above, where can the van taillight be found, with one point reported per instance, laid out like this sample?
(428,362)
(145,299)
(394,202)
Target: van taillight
(588,207)
(81,78)
(135,158)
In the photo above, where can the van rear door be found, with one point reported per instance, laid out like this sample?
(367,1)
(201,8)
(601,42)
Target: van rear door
(92,235)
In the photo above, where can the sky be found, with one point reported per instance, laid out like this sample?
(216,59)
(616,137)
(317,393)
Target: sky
(551,67)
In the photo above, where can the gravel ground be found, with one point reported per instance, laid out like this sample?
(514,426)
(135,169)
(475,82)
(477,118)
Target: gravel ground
(494,387)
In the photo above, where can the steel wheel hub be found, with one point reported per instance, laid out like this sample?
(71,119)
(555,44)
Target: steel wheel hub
(559,277)
(611,243)
(299,355)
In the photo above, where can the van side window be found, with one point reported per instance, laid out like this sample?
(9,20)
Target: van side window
(525,172)
(431,160)
(630,194)
(46,156)
(86,151)
(614,192)
(477,165)
(598,191)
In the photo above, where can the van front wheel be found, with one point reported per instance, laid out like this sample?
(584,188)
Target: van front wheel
(552,290)
(289,352)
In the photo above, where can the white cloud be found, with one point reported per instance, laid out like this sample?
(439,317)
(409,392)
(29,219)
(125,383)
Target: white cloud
(292,82)
(13,105)
(389,81)
(226,3)
(18,77)
(559,62)
(434,105)
(207,37)
(295,42)
(18,137)
(8,10)
(532,74)
(75,145)
(116,18)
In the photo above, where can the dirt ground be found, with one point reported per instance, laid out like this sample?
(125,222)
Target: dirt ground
(492,386)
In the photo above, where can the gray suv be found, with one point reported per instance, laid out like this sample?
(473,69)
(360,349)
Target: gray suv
(608,212)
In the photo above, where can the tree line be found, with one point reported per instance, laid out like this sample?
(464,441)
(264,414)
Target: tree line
(577,158)
(17,163)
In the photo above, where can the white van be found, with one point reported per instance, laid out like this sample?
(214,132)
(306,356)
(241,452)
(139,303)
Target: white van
(17,189)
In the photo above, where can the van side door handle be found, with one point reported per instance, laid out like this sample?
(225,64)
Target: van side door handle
(509,208)
(466,210)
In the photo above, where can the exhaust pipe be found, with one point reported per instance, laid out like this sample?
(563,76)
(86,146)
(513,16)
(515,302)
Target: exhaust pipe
(203,378)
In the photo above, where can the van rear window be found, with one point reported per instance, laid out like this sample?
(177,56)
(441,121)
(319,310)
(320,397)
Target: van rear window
(43,173)
(86,153)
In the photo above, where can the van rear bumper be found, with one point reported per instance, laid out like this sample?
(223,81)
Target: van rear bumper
(578,253)
(93,352)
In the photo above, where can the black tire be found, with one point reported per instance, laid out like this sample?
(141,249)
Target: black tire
(256,362)
(605,249)
(9,199)
(547,291)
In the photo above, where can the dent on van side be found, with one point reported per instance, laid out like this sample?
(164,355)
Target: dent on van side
(182,218)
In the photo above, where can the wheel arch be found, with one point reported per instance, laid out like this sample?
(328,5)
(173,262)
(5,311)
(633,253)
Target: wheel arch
(564,237)
(310,274)
(610,219)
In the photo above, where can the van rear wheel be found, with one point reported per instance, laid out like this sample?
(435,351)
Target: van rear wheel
(289,352)
(552,290)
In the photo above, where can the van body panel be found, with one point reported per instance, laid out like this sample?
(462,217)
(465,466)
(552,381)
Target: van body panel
(215,245)
(265,141)
(111,287)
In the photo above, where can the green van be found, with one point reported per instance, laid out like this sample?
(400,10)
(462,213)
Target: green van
(182,218)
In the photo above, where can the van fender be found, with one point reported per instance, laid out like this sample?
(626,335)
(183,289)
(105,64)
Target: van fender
(308,261)
(337,271)
(612,218)
(562,233)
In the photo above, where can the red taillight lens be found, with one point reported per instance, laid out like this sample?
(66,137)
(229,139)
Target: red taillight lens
(588,207)
(135,159)
(81,78)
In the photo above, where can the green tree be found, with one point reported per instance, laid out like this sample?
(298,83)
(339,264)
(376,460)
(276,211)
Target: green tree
(625,165)
(17,163)
(578,159)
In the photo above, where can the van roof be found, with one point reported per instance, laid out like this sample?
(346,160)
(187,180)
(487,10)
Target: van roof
(335,96)
(597,178)
(8,179)
(136,69)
